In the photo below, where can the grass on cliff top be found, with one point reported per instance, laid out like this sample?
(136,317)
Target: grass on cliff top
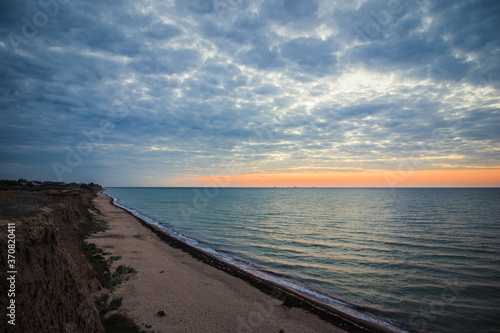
(21,198)
(22,203)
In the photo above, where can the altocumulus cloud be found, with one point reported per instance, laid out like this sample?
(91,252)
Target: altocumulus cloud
(146,92)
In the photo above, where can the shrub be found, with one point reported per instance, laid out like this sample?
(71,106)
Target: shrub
(118,323)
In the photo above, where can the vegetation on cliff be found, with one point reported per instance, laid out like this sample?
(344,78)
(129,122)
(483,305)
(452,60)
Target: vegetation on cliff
(19,198)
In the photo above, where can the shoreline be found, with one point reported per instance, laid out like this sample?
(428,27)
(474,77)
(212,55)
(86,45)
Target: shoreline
(283,297)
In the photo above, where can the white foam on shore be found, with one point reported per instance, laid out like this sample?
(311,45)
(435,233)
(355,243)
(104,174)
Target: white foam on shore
(338,305)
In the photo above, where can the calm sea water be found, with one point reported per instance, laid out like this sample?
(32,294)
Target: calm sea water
(421,260)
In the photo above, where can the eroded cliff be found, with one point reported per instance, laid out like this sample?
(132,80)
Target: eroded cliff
(53,283)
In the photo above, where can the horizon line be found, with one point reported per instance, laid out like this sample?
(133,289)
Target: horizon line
(309,187)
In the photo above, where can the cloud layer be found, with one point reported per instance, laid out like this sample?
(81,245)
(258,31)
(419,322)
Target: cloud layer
(148,92)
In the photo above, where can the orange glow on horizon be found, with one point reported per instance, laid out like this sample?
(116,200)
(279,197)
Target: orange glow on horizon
(368,178)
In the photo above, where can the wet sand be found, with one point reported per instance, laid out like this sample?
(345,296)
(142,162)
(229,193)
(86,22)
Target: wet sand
(198,292)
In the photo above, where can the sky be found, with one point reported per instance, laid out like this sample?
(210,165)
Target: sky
(251,93)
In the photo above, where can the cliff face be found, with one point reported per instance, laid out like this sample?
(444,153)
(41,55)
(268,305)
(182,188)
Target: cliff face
(54,281)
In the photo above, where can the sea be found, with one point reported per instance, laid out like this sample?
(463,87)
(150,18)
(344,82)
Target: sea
(410,259)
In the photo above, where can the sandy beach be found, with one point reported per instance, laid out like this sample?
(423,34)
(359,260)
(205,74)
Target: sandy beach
(195,296)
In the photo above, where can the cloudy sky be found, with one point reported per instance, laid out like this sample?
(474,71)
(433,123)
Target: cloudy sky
(251,93)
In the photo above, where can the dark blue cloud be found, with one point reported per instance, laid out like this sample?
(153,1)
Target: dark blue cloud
(289,10)
(311,54)
(262,57)
(167,61)
(298,9)
(161,31)
(197,6)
